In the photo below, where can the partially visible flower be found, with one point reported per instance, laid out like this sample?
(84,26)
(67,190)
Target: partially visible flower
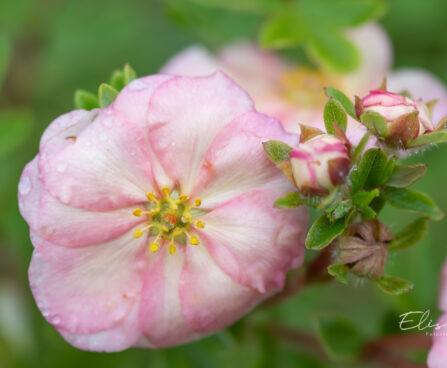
(319,164)
(406,119)
(153,219)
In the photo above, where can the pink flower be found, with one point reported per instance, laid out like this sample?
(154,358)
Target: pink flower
(319,164)
(294,93)
(393,106)
(437,357)
(153,219)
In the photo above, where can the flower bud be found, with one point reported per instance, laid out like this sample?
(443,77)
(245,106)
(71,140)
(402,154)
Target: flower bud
(319,164)
(406,119)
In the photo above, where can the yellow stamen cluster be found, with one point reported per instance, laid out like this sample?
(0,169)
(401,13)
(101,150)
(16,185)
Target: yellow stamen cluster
(168,219)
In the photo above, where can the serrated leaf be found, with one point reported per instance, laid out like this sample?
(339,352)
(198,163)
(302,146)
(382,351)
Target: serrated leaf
(106,95)
(277,151)
(429,138)
(371,170)
(414,201)
(410,234)
(15,128)
(340,337)
(394,285)
(129,74)
(405,175)
(364,198)
(85,100)
(339,271)
(334,113)
(375,122)
(339,96)
(322,232)
(290,200)
(282,30)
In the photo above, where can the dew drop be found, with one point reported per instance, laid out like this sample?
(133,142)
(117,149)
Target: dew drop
(56,320)
(25,186)
(61,167)
(45,312)
(137,85)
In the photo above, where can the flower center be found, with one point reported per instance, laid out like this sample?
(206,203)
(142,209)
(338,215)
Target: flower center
(169,219)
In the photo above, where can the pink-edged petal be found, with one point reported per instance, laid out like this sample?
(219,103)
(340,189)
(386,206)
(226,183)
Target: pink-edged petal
(121,336)
(210,299)
(437,357)
(65,225)
(107,167)
(185,114)
(236,161)
(161,318)
(375,50)
(254,243)
(90,289)
(422,85)
(194,61)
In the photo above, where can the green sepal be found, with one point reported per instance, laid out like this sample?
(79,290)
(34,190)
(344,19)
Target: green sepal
(429,138)
(117,80)
(106,95)
(376,123)
(339,271)
(290,200)
(394,285)
(129,74)
(334,113)
(277,151)
(85,100)
(410,234)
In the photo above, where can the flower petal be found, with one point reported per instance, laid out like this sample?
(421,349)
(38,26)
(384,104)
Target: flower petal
(210,299)
(185,114)
(87,290)
(161,318)
(236,161)
(421,84)
(254,243)
(121,336)
(107,167)
(65,225)
(437,357)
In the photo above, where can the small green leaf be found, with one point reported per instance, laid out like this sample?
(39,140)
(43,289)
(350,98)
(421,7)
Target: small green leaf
(338,210)
(363,198)
(340,337)
(117,80)
(15,128)
(85,100)
(334,113)
(375,122)
(322,232)
(411,200)
(339,271)
(277,151)
(129,74)
(405,175)
(394,285)
(339,96)
(371,170)
(410,234)
(358,151)
(282,30)
(106,94)
(367,213)
(429,138)
(290,200)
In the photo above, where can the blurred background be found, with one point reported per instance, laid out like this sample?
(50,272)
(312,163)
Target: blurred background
(50,48)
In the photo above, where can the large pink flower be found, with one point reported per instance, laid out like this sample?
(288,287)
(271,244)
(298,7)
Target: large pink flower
(294,94)
(153,219)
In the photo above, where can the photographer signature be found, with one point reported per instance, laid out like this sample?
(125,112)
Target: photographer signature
(418,320)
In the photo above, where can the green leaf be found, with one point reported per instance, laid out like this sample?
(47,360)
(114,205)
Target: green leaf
(129,74)
(368,213)
(282,30)
(339,96)
(245,5)
(411,200)
(363,198)
(290,200)
(277,151)
(333,51)
(339,271)
(117,80)
(106,94)
(405,175)
(410,234)
(85,100)
(375,122)
(334,113)
(394,285)
(371,170)
(340,337)
(5,55)
(15,128)
(429,138)
(358,151)
(338,210)
(322,232)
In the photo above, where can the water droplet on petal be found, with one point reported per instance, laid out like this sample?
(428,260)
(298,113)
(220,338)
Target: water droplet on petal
(45,312)
(136,85)
(56,320)
(25,186)
(61,167)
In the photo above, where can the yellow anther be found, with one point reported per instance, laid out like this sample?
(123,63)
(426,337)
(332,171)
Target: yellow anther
(172,248)
(165,191)
(183,198)
(177,232)
(186,217)
(150,196)
(194,240)
(137,212)
(154,211)
(197,202)
(200,224)
(137,233)
(153,247)
(164,228)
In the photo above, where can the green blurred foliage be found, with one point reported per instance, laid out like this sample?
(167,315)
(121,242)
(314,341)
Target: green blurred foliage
(49,49)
